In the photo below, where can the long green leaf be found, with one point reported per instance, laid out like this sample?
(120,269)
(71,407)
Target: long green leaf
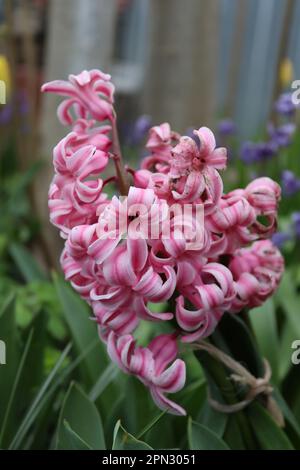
(241,343)
(285,351)
(29,417)
(83,417)
(8,334)
(26,263)
(58,381)
(202,438)
(151,425)
(287,412)
(288,299)
(122,440)
(233,436)
(75,442)
(269,435)
(15,386)
(107,376)
(212,419)
(263,321)
(84,331)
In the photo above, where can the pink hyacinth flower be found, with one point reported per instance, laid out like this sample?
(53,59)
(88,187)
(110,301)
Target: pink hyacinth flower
(89,93)
(257,271)
(212,293)
(150,366)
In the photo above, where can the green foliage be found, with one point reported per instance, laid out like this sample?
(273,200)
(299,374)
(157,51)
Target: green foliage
(203,438)
(124,441)
(269,435)
(79,418)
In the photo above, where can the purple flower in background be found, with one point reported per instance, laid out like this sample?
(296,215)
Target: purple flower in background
(226,127)
(252,152)
(280,238)
(267,149)
(290,183)
(139,129)
(296,223)
(282,135)
(284,105)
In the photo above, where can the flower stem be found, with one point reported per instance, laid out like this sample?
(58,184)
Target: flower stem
(215,371)
(118,160)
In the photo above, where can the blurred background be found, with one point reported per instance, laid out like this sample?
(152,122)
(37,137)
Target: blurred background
(227,64)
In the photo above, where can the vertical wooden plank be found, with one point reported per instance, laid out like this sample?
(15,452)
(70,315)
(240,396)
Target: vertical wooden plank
(182,71)
(236,56)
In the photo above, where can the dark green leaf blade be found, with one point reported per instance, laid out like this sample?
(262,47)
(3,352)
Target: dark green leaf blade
(26,263)
(84,419)
(84,331)
(124,441)
(202,438)
(269,435)
(75,441)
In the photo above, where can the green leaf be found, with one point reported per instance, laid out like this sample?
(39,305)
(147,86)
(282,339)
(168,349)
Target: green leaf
(287,413)
(26,263)
(286,296)
(34,407)
(212,419)
(241,342)
(285,351)
(33,376)
(107,376)
(84,332)
(8,334)
(233,436)
(139,408)
(75,441)
(15,387)
(51,386)
(268,433)
(83,417)
(263,321)
(122,440)
(202,438)
(151,425)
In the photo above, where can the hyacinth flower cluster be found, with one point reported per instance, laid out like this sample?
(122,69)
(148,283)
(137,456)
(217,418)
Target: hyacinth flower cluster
(232,266)
(278,137)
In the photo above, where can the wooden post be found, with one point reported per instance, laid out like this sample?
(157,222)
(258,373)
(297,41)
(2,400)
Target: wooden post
(236,57)
(182,68)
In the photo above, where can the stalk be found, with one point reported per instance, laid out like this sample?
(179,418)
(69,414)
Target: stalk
(216,372)
(122,177)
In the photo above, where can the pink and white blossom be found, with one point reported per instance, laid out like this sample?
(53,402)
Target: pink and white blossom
(124,254)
